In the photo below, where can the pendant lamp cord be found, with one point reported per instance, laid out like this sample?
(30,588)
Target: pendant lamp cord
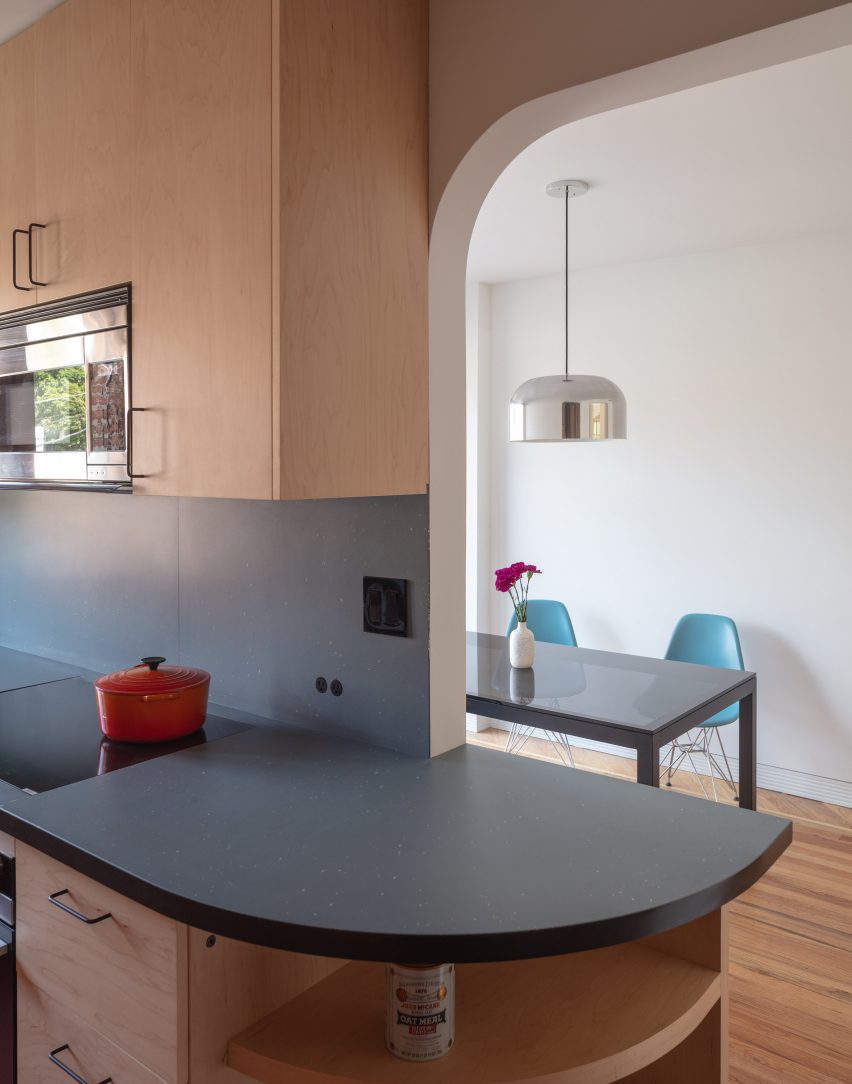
(567,197)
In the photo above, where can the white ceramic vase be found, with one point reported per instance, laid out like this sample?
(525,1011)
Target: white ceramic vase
(521,647)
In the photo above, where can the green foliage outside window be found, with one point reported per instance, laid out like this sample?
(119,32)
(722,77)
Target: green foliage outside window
(60,408)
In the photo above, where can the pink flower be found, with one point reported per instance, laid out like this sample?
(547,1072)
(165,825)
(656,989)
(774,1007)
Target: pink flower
(506,578)
(514,580)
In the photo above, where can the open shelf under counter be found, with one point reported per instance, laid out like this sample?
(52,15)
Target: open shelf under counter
(591,1017)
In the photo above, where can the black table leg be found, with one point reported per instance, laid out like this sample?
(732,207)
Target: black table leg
(748,751)
(648,763)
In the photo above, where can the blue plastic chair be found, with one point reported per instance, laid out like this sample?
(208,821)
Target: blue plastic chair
(709,640)
(548,620)
(550,623)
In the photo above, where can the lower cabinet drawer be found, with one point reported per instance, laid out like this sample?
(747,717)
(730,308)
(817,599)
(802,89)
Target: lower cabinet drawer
(124,976)
(45,1026)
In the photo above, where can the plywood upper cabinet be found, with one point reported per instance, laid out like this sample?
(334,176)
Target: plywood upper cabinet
(258,170)
(352,162)
(202,246)
(82,131)
(17,172)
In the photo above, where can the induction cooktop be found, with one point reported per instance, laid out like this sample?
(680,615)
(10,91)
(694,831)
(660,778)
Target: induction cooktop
(49,737)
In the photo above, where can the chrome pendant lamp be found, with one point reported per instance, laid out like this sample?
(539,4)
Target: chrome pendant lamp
(567,407)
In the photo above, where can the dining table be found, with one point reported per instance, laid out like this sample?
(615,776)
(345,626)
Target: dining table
(632,701)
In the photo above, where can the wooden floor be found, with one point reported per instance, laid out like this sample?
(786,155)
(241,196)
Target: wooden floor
(791,939)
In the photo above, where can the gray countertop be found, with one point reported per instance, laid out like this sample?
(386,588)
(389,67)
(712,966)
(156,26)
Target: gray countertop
(18,670)
(293,840)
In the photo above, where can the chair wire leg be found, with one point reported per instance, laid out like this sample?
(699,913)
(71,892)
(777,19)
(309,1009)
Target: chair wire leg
(697,774)
(563,749)
(729,776)
(669,770)
(564,744)
(682,752)
(708,756)
(523,738)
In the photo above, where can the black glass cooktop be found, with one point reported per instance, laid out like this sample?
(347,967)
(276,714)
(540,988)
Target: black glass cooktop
(49,736)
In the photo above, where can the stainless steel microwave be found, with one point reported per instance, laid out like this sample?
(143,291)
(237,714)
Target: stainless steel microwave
(65,393)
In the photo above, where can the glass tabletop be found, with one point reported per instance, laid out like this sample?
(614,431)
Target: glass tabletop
(628,691)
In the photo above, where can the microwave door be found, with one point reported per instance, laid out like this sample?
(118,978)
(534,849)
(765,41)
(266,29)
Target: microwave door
(43,425)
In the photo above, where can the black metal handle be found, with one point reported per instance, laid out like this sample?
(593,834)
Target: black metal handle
(15,259)
(67,1068)
(34,226)
(129,426)
(54,899)
(153,661)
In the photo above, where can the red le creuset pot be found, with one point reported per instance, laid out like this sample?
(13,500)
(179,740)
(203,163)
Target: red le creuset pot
(152,702)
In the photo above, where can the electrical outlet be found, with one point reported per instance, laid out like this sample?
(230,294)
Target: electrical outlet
(385,606)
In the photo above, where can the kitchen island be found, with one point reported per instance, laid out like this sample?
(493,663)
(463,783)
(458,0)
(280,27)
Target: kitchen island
(587,912)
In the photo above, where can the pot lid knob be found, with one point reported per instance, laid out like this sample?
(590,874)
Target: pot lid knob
(153,661)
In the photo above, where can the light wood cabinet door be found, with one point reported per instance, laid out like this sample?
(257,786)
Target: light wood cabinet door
(17,173)
(125,976)
(353,248)
(82,125)
(202,247)
(45,1026)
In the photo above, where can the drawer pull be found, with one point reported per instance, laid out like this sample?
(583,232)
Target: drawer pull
(34,226)
(54,899)
(67,1069)
(15,259)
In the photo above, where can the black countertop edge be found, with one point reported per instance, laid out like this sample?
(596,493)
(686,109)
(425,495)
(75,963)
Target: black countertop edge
(376,946)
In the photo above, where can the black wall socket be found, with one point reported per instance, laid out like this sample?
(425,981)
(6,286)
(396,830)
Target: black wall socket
(385,606)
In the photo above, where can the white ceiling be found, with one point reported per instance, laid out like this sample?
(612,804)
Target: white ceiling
(752,159)
(17,15)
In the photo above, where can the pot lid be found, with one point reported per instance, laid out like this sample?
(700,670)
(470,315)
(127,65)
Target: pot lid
(150,676)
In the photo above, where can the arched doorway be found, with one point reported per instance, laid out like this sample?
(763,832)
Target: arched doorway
(451,233)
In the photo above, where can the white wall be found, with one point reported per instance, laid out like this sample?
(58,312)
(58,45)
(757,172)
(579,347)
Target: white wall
(732,492)
(478,411)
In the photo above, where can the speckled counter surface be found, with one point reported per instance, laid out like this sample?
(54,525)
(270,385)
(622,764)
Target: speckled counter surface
(8,794)
(308,843)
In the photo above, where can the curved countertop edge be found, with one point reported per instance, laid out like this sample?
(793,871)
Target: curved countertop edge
(413,948)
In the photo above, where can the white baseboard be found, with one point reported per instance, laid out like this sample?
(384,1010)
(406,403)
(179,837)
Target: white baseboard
(477,723)
(784,780)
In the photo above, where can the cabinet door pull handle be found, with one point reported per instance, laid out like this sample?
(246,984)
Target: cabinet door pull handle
(34,226)
(54,899)
(67,1068)
(15,259)
(129,425)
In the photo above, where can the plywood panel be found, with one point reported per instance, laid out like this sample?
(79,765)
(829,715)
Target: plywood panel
(588,1018)
(353,247)
(202,247)
(17,175)
(233,984)
(82,126)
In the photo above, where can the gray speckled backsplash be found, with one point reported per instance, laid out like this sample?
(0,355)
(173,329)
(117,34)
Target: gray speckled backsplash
(265,595)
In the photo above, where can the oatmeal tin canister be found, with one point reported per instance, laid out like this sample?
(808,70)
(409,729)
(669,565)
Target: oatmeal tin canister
(419,1010)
